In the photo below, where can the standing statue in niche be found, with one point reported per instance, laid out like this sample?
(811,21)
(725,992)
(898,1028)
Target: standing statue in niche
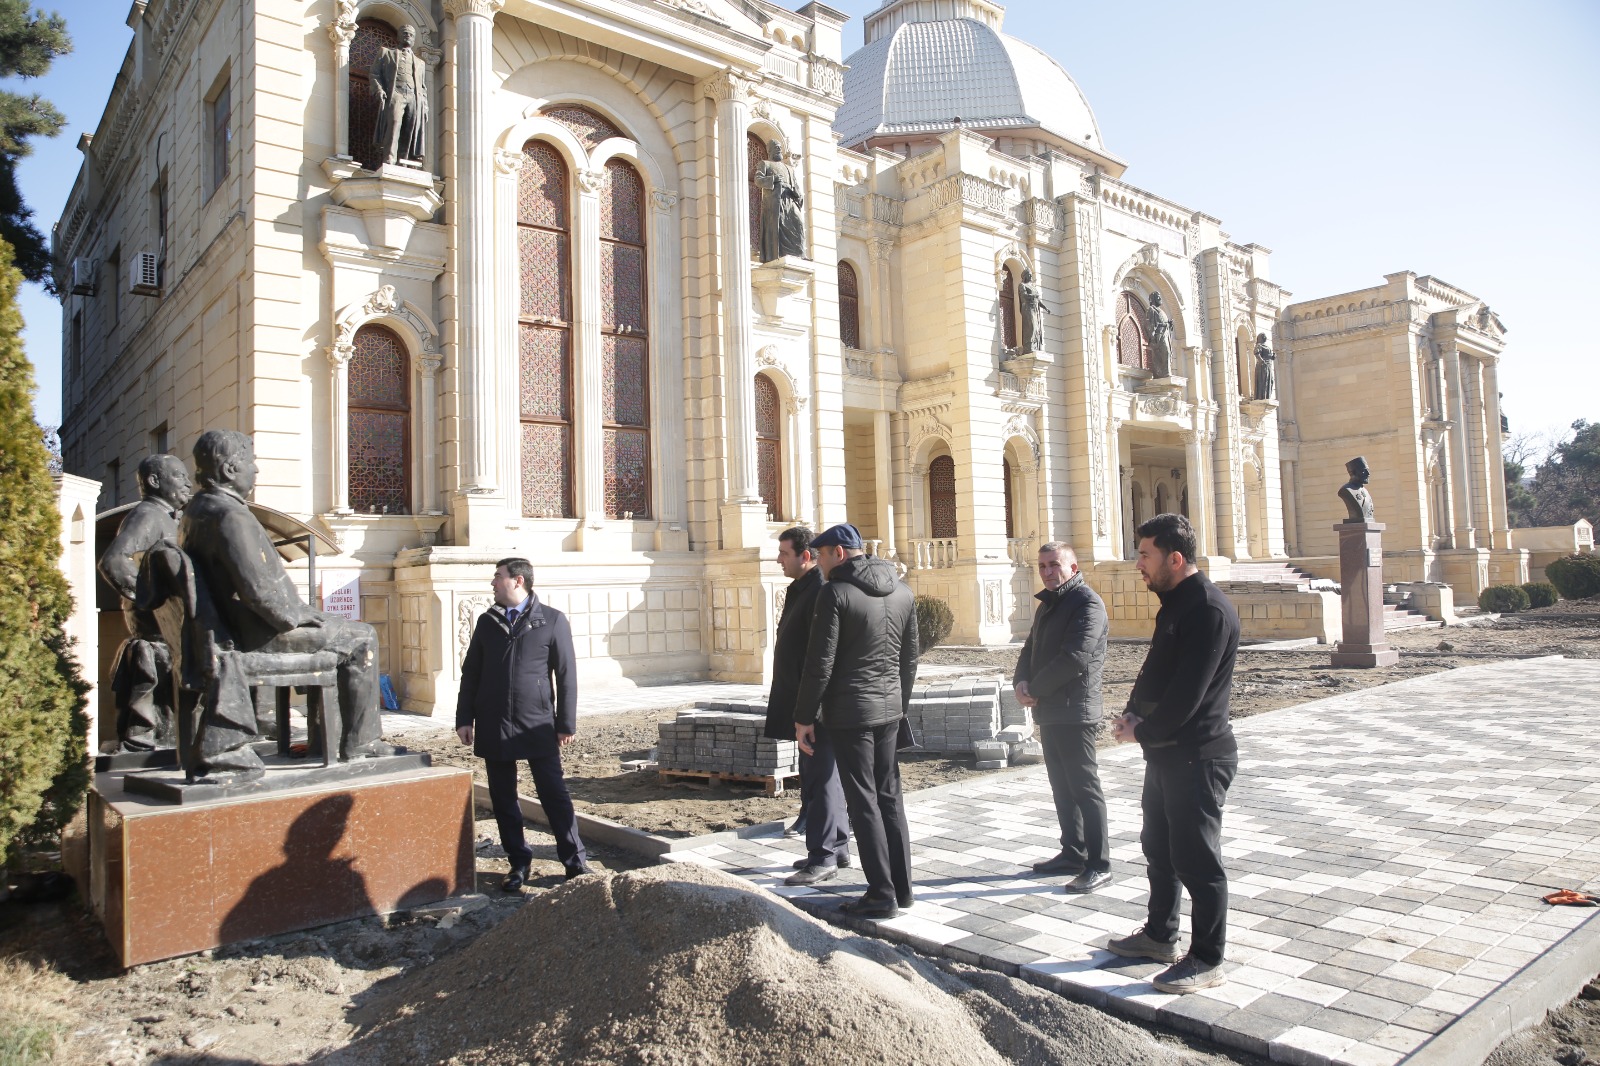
(1160,339)
(1266,373)
(1033,312)
(1357,500)
(141,679)
(399,80)
(783,226)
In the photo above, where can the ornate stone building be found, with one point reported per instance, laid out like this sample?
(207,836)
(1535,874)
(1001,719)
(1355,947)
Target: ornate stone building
(552,334)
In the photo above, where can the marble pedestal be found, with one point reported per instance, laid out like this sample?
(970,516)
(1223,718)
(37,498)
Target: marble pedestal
(1361,579)
(168,879)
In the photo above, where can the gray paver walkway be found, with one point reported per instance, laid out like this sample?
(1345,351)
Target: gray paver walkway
(1387,851)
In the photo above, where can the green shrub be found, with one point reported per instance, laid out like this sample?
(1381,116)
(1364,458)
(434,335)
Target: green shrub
(1541,594)
(934,623)
(1503,599)
(43,761)
(1576,577)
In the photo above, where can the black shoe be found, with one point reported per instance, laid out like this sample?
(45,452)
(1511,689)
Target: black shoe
(810,875)
(578,870)
(516,879)
(843,862)
(1061,863)
(1087,882)
(904,902)
(869,907)
(797,828)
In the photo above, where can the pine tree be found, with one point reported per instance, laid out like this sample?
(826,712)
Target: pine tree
(43,762)
(29,42)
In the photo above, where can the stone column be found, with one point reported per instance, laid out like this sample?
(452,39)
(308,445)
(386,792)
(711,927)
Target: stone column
(882,304)
(883,488)
(474,229)
(339,356)
(1460,468)
(588,466)
(1199,501)
(667,382)
(427,428)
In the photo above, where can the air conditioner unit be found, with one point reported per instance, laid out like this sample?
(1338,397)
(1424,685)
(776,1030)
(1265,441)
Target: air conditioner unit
(144,274)
(83,271)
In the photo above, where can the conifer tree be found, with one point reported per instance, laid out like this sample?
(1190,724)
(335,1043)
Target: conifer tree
(43,762)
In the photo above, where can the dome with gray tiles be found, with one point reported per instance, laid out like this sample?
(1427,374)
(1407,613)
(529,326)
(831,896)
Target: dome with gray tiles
(928,62)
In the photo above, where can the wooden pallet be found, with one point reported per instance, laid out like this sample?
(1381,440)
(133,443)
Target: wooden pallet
(774,785)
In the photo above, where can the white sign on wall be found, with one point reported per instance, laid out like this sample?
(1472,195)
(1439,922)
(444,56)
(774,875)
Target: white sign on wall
(341,593)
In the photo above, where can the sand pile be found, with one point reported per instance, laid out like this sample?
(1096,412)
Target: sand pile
(671,964)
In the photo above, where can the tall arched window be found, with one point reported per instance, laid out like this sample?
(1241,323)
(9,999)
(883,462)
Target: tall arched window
(372,36)
(849,306)
(942,497)
(1008,308)
(624,343)
(544,331)
(380,423)
(756,154)
(769,446)
(1132,349)
(1011,513)
(1244,354)
(589,126)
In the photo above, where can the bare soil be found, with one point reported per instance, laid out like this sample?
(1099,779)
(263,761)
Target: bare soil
(308,995)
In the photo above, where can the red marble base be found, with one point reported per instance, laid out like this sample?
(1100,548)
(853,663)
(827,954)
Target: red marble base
(169,880)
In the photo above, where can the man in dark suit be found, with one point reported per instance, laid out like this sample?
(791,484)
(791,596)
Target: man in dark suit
(261,607)
(861,661)
(1058,675)
(508,709)
(822,814)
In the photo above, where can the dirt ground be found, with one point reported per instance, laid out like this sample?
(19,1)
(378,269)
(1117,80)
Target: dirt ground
(287,999)
(1263,681)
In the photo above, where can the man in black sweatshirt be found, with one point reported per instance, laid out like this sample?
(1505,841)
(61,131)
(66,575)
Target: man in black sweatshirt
(1178,713)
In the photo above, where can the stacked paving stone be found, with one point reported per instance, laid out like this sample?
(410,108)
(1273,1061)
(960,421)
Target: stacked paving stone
(725,738)
(954,715)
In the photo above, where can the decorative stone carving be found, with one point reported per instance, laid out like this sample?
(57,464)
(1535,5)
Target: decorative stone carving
(484,8)
(342,29)
(726,86)
(468,608)
(827,77)
(508,161)
(1160,405)
(339,355)
(695,7)
(993,603)
(591,181)
(391,199)
(383,303)
(664,199)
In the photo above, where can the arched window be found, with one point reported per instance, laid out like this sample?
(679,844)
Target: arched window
(1011,513)
(756,153)
(544,331)
(769,446)
(1008,308)
(624,343)
(372,36)
(1132,349)
(849,306)
(590,127)
(380,423)
(1244,354)
(942,497)
(1163,499)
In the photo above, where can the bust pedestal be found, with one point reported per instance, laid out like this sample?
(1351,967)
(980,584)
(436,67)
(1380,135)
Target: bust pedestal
(1361,576)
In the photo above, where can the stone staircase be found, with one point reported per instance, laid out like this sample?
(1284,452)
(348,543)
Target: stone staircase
(1247,574)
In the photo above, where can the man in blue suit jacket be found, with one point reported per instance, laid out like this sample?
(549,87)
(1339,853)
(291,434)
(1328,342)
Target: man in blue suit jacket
(509,709)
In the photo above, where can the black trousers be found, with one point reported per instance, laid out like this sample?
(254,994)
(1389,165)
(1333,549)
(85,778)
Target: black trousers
(870,777)
(822,804)
(1182,841)
(1074,771)
(551,788)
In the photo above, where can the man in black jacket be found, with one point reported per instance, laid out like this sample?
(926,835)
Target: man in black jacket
(822,817)
(506,712)
(1058,675)
(1178,713)
(860,664)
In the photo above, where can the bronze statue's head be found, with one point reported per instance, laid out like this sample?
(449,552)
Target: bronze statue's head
(225,458)
(1155,299)
(408,36)
(163,477)
(775,151)
(1357,469)
(1261,338)
(1027,275)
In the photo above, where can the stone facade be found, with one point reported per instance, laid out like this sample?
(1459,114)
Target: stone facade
(553,339)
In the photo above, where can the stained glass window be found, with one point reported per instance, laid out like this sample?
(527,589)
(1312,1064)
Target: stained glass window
(1008,308)
(544,332)
(372,35)
(380,423)
(590,127)
(624,343)
(769,446)
(849,306)
(942,497)
(1132,350)
(756,152)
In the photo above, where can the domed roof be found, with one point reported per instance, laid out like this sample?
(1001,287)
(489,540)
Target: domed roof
(919,76)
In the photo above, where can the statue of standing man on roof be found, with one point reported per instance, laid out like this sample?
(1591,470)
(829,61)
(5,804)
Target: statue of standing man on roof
(783,225)
(399,80)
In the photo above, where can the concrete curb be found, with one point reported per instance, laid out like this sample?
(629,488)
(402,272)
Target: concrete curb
(1539,987)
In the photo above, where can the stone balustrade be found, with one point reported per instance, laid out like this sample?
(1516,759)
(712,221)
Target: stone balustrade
(933,553)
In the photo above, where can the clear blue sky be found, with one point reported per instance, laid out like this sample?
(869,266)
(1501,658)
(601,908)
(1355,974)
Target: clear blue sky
(1355,140)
